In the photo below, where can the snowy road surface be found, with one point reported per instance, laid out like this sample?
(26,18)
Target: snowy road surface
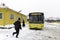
(50,32)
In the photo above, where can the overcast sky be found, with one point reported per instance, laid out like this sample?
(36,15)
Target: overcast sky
(49,7)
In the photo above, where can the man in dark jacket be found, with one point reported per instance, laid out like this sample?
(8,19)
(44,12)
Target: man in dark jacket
(17,27)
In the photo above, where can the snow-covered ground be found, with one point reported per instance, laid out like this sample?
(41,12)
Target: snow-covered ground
(51,31)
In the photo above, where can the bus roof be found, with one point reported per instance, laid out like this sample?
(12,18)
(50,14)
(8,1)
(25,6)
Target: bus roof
(36,13)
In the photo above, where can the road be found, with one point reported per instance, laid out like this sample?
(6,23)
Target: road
(49,32)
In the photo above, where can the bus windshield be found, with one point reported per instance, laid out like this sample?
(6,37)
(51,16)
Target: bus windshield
(36,19)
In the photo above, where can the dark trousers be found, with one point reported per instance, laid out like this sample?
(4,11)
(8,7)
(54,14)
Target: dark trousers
(17,32)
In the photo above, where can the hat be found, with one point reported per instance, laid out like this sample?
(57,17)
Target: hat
(18,18)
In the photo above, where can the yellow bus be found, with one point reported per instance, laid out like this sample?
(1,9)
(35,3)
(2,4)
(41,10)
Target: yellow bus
(36,20)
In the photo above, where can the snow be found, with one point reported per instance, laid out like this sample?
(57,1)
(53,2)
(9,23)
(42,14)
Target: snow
(1,6)
(50,31)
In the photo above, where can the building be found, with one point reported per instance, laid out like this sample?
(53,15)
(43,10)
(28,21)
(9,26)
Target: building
(9,16)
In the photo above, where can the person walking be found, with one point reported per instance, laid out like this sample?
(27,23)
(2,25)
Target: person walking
(17,26)
(23,24)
